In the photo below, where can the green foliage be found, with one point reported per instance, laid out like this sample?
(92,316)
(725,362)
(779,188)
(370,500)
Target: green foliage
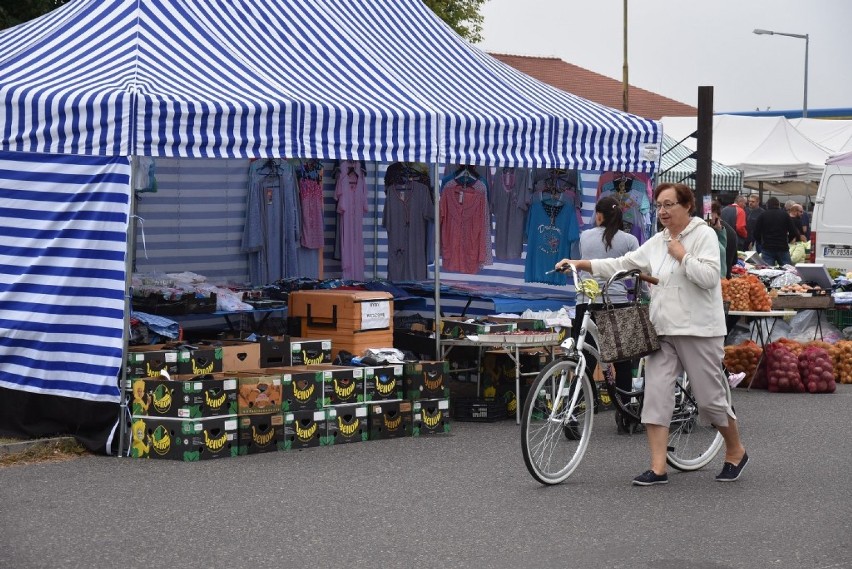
(14,12)
(461,15)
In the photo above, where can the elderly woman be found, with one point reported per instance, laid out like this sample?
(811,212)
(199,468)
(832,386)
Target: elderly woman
(687,312)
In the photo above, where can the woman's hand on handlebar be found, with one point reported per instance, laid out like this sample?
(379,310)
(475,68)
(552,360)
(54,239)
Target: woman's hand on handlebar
(581,264)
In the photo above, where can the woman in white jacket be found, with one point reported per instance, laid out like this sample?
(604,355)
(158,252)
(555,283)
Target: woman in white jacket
(687,312)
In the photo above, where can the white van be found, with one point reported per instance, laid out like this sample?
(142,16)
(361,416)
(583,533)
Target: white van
(831,221)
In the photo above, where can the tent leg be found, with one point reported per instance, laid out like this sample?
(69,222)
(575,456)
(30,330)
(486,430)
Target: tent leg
(129,265)
(436,198)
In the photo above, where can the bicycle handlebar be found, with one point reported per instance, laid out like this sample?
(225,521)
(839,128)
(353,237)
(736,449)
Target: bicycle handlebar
(619,275)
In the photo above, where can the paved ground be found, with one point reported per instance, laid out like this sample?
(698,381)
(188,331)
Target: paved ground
(461,500)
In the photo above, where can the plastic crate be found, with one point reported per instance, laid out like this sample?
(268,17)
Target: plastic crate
(841,318)
(201,304)
(479,409)
(155,304)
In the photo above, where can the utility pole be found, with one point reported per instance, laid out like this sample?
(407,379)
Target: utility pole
(625,82)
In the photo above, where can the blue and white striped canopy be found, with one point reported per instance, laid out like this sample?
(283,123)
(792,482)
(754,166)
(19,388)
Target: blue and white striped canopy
(354,79)
(95,82)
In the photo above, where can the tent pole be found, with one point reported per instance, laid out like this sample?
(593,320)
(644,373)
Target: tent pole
(129,264)
(436,198)
(375,220)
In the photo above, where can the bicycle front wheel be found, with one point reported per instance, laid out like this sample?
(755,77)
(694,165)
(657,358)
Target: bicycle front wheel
(691,445)
(554,432)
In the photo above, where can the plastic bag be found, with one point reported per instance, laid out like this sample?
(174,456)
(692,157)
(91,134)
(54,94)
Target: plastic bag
(806,325)
(780,329)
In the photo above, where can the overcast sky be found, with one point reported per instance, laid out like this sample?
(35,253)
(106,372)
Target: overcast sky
(675,46)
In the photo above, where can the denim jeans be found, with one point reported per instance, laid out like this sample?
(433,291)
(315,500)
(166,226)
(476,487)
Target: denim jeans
(780,258)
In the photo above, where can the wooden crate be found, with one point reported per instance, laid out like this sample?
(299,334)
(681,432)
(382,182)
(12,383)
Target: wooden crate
(792,302)
(332,313)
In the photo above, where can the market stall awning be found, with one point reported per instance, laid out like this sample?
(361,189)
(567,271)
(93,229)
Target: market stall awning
(678,166)
(354,79)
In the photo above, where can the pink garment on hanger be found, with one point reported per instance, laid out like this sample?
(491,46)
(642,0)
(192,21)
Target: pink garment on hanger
(351,194)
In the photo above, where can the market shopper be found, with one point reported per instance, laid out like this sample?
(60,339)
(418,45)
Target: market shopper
(605,241)
(773,231)
(686,310)
(734,214)
(796,213)
(753,212)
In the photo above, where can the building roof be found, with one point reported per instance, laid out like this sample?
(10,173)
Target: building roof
(595,87)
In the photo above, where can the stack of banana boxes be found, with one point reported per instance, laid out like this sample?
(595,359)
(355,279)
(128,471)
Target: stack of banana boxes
(211,401)
(182,406)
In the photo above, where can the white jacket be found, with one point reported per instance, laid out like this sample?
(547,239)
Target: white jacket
(688,299)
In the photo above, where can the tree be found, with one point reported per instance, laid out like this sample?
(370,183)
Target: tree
(14,12)
(461,15)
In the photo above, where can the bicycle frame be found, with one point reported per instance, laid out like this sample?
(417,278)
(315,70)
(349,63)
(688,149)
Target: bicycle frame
(577,350)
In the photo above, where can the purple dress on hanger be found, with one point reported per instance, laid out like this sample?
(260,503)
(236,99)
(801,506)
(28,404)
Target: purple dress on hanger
(351,195)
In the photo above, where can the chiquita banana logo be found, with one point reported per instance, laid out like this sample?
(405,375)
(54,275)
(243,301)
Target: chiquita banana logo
(201,370)
(348,430)
(306,434)
(215,444)
(386,385)
(432,420)
(305,393)
(393,424)
(344,391)
(161,440)
(215,403)
(162,398)
(311,361)
(262,439)
(433,380)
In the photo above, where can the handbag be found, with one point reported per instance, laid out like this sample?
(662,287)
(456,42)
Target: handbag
(626,332)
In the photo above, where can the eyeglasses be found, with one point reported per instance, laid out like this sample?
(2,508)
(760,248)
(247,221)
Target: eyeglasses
(665,205)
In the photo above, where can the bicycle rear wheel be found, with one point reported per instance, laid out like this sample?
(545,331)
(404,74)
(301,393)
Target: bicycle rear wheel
(555,433)
(691,445)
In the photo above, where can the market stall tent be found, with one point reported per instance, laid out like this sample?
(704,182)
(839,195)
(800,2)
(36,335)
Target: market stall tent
(94,83)
(768,150)
(677,165)
(833,134)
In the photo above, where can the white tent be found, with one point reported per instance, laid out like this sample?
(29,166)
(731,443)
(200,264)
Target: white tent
(835,135)
(768,150)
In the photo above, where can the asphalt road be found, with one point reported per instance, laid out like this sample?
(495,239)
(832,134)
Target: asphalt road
(459,500)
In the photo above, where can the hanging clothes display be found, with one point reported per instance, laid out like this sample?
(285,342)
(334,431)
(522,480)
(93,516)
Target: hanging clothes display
(407,215)
(351,195)
(509,196)
(465,224)
(468,177)
(309,175)
(633,191)
(552,230)
(560,181)
(273,222)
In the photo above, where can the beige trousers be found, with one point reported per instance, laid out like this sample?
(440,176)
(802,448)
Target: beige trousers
(701,358)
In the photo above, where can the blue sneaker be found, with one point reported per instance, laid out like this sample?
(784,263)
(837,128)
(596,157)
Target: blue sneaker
(731,472)
(649,478)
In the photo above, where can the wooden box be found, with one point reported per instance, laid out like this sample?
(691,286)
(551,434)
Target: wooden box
(325,313)
(796,302)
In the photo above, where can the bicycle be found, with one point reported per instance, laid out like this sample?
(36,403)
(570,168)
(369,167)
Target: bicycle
(558,414)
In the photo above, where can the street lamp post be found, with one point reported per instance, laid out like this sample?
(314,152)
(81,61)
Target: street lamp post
(801,37)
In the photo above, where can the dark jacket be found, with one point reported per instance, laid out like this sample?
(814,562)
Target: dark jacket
(774,230)
(752,215)
(730,251)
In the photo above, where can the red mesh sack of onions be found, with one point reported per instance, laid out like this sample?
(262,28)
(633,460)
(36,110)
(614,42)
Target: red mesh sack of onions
(782,369)
(816,369)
